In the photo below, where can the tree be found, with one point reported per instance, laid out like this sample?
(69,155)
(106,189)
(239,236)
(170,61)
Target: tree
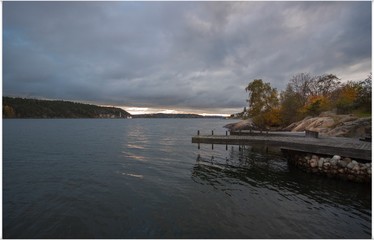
(345,97)
(8,112)
(262,97)
(293,100)
(263,100)
(324,85)
(291,105)
(315,105)
(364,94)
(300,85)
(307,94)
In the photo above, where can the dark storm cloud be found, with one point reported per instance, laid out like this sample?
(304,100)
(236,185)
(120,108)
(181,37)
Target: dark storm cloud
(177,54)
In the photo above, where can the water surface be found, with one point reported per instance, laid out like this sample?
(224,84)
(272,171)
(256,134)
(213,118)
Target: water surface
(143,178)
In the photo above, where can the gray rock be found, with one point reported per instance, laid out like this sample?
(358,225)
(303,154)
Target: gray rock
(320,162)
(314,157)
(348,160)
(352,128)
(336,157)
(326,165)
(363,167)
(313,163)
(333,161)
(350,165)
(342,163)
(354,162)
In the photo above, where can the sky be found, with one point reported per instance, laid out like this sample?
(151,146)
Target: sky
(177,57)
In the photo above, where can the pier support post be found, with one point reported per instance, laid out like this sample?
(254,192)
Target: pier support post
(198,132)
(212,132)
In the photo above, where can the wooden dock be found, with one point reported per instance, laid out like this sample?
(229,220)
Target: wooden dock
(346,147)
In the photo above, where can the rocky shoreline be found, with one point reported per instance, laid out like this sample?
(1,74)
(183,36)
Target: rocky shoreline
(332,167)
(333,125)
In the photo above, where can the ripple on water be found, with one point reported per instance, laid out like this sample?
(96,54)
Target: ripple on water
(144,179)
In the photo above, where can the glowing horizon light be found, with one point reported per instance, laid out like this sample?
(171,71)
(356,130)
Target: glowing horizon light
(170,111)
(215,114)
(150,110)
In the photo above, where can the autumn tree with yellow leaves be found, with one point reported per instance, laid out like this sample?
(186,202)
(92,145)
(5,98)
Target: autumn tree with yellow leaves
(306,95)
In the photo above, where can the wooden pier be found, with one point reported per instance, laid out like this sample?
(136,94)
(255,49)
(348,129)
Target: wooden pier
(347,147)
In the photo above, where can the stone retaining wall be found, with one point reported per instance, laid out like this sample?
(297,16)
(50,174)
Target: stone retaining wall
(334,167)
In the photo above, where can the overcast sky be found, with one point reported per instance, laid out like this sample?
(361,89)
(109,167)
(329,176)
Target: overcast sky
(183,56)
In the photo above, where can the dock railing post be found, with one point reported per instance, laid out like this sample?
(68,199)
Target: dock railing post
(212,132)
(226,133)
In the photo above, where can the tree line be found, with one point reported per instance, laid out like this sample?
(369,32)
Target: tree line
(306,95)
(35,108)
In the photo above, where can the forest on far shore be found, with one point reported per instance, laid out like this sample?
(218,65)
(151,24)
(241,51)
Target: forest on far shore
(305,95)
(35,108)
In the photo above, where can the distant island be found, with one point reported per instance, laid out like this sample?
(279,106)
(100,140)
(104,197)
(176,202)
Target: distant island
(174,115)
(36,108)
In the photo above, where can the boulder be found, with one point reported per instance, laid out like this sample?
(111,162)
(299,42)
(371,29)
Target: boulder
(350,165)
(343,163)
(320,162)
(333,161)
(242,125)
(313,163)
(326,165)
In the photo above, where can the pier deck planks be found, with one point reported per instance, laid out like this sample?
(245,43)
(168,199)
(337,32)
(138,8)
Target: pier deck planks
(346,147)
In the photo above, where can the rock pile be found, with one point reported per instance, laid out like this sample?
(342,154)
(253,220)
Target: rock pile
(336,167)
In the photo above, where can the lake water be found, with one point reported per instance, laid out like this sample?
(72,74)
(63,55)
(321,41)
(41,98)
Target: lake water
(143,178)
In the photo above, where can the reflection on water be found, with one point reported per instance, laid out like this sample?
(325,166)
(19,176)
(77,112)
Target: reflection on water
(130,146)
(258,169)
(143,178)
(133,156)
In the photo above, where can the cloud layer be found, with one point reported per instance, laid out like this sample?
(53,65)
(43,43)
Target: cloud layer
(177,55)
